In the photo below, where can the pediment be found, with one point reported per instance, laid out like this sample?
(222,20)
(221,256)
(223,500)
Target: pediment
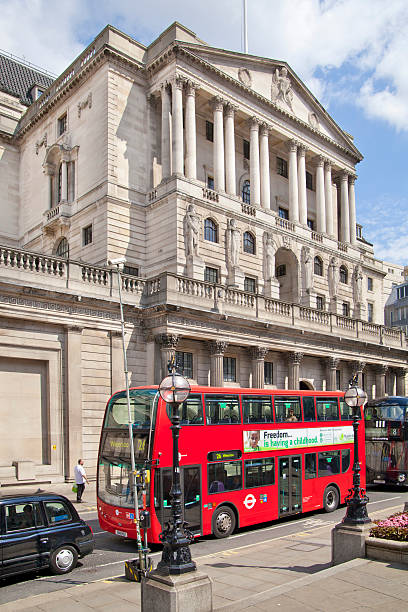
(277,83)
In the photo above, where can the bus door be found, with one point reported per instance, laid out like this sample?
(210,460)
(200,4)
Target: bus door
(191,495)
(290,485)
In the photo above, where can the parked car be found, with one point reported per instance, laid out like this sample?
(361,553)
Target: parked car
(39,531)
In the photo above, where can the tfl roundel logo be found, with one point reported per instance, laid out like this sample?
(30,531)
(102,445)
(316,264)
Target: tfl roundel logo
(249,501)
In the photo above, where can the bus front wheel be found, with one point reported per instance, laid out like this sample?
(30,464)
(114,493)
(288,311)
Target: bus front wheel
(331,499)
(223,522)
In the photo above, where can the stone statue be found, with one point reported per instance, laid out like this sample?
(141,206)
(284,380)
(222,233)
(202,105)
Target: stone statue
(333,277)
(269,251)
(281,90)
(358,284)
(191,225)
(307,268)
(233,243)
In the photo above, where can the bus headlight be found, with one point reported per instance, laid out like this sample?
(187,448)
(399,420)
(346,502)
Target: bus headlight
(402,477)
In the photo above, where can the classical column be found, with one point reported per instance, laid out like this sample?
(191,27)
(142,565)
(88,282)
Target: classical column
(258,354)
(217,349)
(352,209)
(117,374)
(254,162)
(401,374)
(381,371)
(177,117)
(320,203)
(168,344)
(332,366)
(293,182)
(219,174)
(49,170)
(358,368)
(302,184)
(230,179)
(191,140)
(294,360)
(165,131)
(264,164)
(64,181)
(344,209)
(73,449)
(328,198)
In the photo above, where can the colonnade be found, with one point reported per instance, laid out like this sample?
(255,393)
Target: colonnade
(177,161)
(169,343)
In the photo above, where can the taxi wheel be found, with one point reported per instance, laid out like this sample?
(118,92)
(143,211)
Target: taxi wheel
(223,522)
(63,560)
(331,499)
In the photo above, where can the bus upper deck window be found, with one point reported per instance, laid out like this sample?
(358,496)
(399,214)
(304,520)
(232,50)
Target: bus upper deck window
(257,409)
(287,409)
(327,409)
(309,413)
(191,411)
(222,409)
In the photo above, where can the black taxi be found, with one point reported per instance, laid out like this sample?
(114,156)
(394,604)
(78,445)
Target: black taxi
(39,531)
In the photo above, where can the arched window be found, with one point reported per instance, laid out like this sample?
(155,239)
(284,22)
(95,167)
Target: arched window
(63,248)
(343,275)
(249,243)
(210,230)
(318,266)
(246,192)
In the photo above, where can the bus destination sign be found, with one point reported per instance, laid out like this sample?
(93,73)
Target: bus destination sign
(224,455)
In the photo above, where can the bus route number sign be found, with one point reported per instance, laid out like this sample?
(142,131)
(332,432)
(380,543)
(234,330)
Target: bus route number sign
(224,455)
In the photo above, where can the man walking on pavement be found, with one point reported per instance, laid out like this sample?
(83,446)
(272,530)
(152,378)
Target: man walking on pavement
(80,479)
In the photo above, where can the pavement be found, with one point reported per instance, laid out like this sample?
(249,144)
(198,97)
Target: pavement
(288,574)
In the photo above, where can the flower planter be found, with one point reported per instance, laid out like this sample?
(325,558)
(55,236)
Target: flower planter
(387,550)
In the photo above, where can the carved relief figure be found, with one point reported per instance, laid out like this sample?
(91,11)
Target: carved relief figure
(307,268)
(358,284)
(233,243)
(281,90)
(191,224)
(269,256)
(333,277)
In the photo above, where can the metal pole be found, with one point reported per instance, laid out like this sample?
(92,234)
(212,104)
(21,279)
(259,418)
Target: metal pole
(130,426)
(357,500)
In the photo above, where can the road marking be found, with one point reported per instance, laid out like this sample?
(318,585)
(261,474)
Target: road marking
(384,500)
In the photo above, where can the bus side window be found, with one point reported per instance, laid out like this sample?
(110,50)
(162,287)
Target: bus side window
(308,408)
(191,411)
(346,411)
(222,409)
(310,465)
(345,460)
(287,409)
(329,463)
(257,409)
(224,476)
(327,409)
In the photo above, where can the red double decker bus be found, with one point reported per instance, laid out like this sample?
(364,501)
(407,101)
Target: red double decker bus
(247,456)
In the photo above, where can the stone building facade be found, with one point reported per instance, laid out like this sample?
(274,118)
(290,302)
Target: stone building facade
(230,192)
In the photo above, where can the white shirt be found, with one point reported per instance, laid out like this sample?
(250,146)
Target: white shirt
(79,472)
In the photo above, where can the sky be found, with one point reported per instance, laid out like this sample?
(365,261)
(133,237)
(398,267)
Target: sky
(352,55)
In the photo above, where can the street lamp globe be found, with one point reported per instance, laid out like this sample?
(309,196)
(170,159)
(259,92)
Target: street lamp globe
(355,397)
(174,389)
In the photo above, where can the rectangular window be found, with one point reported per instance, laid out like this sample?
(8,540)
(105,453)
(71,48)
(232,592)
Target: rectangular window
(346,411)
(346,309)
(345,460)
(310,466)
(131,270)
(57,512)
(268,373)
(211,275)
(209,131)
(338,380)
(329,463)
(319,302)
(369,283)
(191,411)
(309,180)
(87,235)
(23,516)
(283,213)
(282,167)
(310,224)
(246,149)
(224,476)
(62,124)
(210,182)
(222,409)
(287,409)
(281,270)
(370,312)
(184,363)
(309,413)
(327,409)
(249,284)
(257,409)
(259,472)
(230,369)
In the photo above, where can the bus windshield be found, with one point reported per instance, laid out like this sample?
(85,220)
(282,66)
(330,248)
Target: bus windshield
(141,409)
(386,411)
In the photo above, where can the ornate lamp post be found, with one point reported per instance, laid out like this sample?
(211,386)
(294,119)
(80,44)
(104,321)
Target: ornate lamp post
(357,500)
(176,557)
